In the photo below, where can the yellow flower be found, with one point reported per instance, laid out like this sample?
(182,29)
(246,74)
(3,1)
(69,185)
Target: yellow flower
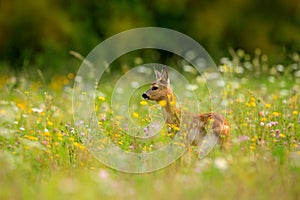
(120,142)
(295,112)
(172,103)
(60,134)
(143,103)
(21,106)
(101,98)
(263,119)
(276,114)
(70,75)
(268,105)
(144,148)
(135,115)
(76,144)
(252,147)
(176,128)
(47,133)
(49,123)
(282,135)
(162,103)
(254,138)
(225,68)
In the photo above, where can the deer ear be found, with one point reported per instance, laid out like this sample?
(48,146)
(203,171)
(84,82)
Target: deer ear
(164,75)
(157,74)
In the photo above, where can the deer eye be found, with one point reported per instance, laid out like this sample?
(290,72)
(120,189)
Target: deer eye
(154,88)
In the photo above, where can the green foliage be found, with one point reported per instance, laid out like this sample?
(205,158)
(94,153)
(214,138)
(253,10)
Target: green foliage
(41,33)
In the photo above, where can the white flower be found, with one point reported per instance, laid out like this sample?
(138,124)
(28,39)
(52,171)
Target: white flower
(221,163)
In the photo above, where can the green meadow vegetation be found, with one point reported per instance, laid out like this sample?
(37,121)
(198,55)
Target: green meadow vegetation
(42,155)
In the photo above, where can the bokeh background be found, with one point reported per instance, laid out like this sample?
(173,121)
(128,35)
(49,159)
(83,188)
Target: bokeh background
(40,34)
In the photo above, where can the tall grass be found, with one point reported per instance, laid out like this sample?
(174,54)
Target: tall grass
(42,155)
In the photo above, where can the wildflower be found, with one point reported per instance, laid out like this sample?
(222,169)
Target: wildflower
(295,112)
(26,147)
(268,105)
(135,115)
(131,147)
(243,138)
(172,103)
(146,130)
(176,128)
(270,124)
(254,138)
(101,98)
(33,138)
(21,106)
(150,147)
(221,163)
(76,144)
(143,103)
(261,113)
(276,114)
(163,133)
(281,135)
(262,124)
(263,119)
(47,133)
(162,103)
(144,148)
(49,123)
(120,142)
(70,76)
(37,110)
(103,174)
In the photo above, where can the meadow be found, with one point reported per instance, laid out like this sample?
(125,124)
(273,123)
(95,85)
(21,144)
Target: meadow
(42,155)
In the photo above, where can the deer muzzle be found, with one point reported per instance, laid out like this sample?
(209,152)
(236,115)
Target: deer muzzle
(145,96)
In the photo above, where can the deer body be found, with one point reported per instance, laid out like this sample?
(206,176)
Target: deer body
(161,92)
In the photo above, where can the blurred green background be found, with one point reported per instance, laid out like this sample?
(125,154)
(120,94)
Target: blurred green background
(40,33)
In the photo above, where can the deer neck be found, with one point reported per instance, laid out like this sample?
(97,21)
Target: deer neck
(170,110)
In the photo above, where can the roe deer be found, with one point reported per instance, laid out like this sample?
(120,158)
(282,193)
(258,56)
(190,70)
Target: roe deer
(160,91)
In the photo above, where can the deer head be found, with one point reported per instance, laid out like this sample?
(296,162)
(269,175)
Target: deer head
(160,89)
